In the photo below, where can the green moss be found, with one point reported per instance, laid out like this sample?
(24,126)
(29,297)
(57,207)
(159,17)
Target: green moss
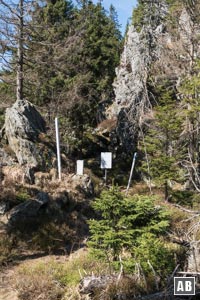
(22,196)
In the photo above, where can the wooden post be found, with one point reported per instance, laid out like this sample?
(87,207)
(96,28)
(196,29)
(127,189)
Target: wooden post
(58,148)
(131,173)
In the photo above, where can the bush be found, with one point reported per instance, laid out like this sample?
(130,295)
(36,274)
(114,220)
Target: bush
(154,257)
(123,220)
(183,198)
(128,233)
(50,236)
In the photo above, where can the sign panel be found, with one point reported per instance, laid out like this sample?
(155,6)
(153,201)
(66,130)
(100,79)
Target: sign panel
(79,167)
(106,160)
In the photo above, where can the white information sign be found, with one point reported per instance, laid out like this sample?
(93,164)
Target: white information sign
(106,160)
(79,167)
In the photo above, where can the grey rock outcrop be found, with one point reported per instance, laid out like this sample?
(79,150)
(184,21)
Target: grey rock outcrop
(132,72)
(5,159)
(28,211)
(24,212)
(130,86)
(151,52)
(23,125)
(84,184)
(4,207)
(91,284)
(141,49)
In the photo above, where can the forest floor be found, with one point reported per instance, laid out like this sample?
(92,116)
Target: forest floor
(7,291)
(8,273)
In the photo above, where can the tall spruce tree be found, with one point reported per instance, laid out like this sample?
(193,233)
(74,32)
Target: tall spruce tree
(161,142)
(74,52)
(69,66)
(190,90)
(46,72)
(97,59)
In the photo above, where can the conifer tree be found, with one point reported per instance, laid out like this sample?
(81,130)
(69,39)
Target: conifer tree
(99,54)
(71,55)
(124,226)
(161,142)
(190,90)
(13,35)
(46,72)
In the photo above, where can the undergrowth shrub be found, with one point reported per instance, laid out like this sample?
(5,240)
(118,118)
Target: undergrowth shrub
(129,234)
(51,237)
(7,250)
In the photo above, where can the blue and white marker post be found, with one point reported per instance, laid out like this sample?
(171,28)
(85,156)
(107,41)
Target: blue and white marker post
(131,173)
(106,162)
(58,148)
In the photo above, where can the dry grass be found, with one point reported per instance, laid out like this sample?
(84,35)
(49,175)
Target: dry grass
(59,280)
(55,279)
(40,280)
(128,287)
(7,251)
(72,293)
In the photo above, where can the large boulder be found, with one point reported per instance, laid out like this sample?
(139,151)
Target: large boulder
(23,128)
(28,211)
(92,284)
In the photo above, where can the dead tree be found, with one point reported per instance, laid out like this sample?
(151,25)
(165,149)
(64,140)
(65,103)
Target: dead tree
(12,39)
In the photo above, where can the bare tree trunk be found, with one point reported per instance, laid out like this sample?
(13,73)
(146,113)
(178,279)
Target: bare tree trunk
(20,52)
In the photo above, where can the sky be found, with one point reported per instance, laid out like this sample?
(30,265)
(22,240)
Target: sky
(124,10)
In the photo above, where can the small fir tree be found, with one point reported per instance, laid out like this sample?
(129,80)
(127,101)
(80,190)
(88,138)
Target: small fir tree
(123,226)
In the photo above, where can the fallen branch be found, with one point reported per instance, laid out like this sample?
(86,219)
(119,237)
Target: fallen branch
(188,273)
(185,209)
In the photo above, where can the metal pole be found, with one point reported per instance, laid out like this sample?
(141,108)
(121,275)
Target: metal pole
(131,173)
(105,176)
(58,148)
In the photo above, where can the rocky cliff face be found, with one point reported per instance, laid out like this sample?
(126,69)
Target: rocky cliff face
(156,53)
